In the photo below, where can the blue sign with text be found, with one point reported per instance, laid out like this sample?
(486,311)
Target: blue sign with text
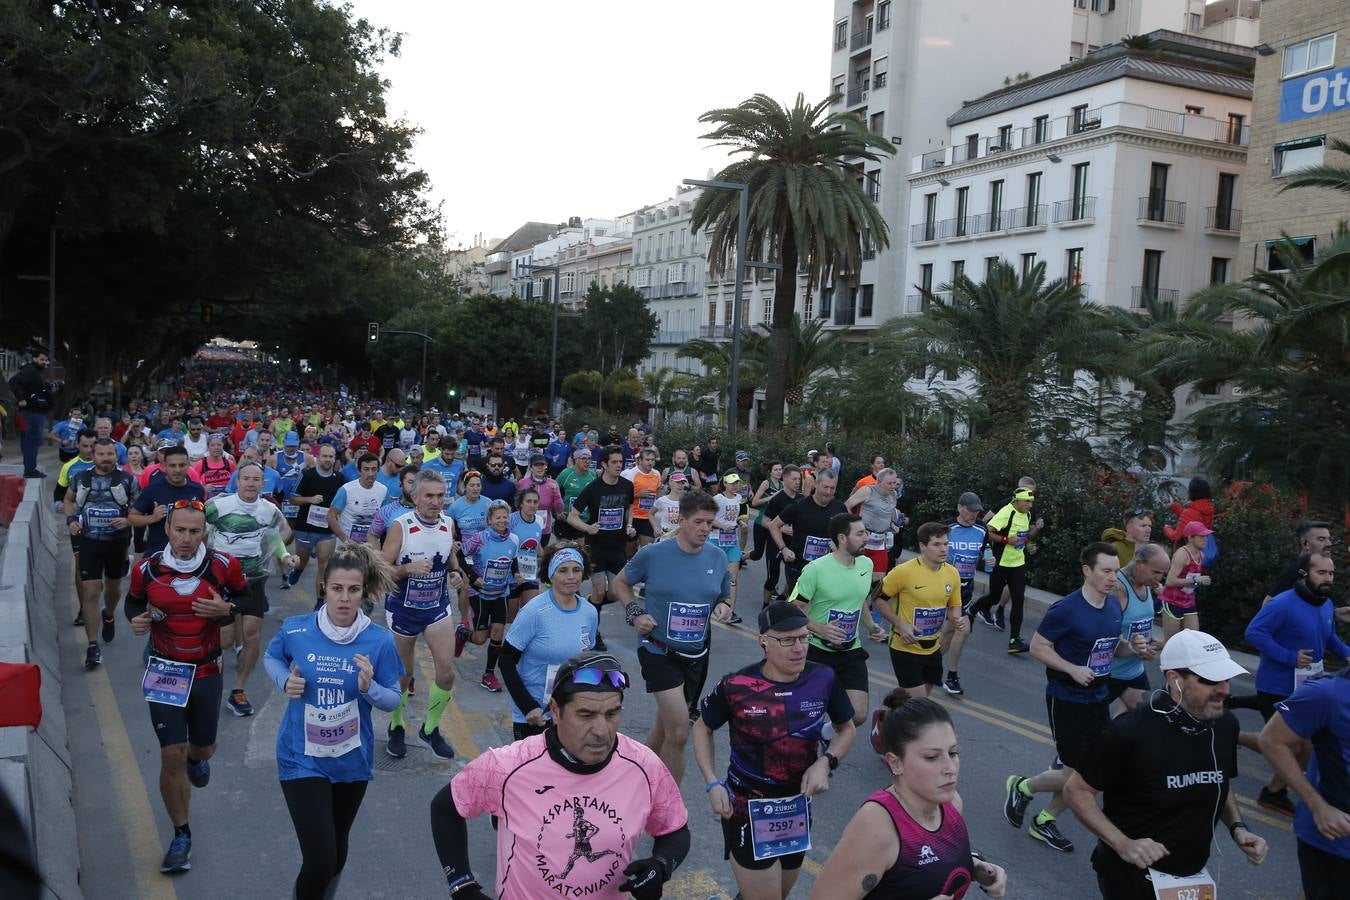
(1315,95)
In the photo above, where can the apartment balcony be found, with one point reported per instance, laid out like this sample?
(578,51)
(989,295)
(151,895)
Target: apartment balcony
(925,232)
(1063,129)
(1075,211)
(915,304)
(673,338)
(715,332)
(1141,294)
(1022,218)
(860,40)
(1223,220)
(1157,212)
(857,96)
(843,316)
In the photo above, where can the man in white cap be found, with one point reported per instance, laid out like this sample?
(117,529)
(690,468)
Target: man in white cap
(1164,771)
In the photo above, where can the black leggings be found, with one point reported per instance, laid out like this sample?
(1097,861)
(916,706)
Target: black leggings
(760,534)
(322,813)
(1015,580)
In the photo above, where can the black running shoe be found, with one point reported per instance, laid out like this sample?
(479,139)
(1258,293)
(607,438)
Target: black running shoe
(952,684)
(986,617)
(439,745)
(93,656)
(397,747)
(1016,803)
(734,619)
(199,773)
(1049,833)
(1275,801)
(109,627)
(79,620)
(1017,645)
(179,857)
(1000,618)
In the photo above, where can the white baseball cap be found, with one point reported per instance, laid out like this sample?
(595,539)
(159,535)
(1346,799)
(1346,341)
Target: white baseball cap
(1200,653)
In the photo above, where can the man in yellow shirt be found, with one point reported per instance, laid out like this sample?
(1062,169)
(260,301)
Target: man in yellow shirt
(923,591)
(1009,531)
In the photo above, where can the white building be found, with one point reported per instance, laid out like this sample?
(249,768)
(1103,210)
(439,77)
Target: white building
(904,67)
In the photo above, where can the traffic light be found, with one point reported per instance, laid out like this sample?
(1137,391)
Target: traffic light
(373,332)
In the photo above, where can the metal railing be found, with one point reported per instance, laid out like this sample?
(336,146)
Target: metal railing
(933,159)
(915,303)
(1076,209)
(860,39)
(1037,216)
(714,332)
(1141,294)
(672,337)
(840,42)
(1223,218)
(1154,208)
(921,232)
(856,96)
(844,315)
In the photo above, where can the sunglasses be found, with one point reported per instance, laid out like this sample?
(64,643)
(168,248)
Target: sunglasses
(189,504)
(594,675)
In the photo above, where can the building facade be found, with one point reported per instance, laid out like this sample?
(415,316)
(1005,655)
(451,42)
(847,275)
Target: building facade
(1301,103)
(904,67)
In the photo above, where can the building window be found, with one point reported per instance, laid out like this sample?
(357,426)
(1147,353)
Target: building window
(1033,200)
(930,217)
(958,268)
(1152,274)
(837,88)
(841,34)
(1307,247)
(995,205)
(1294,155)
(874,185)
(962,210)
(826,301)
(1005,137)
(1194,110)
(1236,122)
(1194,23)
(1074,265)
(972,146)
(1080,187)
(878,123)
(989,263)
(1309,56)
(1028,263)
(864,302)
(712,313)
(1157,192)
(726,311)
(1080,121)
(1223,206)
(1040,129)
(883,15)
(1218,270)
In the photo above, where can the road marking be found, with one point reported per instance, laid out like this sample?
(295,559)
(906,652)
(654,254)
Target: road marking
(1252,810)
(127,783)
(452,725)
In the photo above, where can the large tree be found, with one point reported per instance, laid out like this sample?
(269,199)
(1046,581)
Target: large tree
(617,327)
(208,168)
(808,210)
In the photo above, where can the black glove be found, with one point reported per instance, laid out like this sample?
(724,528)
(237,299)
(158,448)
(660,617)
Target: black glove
(646,877)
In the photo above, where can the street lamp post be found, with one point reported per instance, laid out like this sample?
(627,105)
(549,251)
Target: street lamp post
(742,224)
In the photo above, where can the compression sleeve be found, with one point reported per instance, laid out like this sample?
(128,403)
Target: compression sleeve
(382,697)
(278,671)
(673,846)
(450,833)
(515,685)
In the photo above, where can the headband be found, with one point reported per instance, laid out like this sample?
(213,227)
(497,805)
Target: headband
(567,554)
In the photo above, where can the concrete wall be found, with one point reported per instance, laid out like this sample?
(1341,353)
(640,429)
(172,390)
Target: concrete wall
(35,766)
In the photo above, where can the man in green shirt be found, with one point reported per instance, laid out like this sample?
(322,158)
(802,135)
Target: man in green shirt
(572,481)
(1009,531)
(834,592)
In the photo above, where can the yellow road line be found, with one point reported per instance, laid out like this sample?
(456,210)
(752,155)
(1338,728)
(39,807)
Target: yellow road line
(132,794)
(1252,811)
(453,726)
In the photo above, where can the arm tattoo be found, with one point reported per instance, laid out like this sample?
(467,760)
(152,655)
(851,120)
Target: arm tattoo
(869,881)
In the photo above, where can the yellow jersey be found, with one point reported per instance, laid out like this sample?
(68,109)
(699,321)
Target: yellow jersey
(924,598)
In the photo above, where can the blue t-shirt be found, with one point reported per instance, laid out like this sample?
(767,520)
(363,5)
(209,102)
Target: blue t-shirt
(546,636)
(349,471)
(470,518)
(557,453)
(390,482)
(682,589)
(1084,636)
(965,547)
(1137,618)
(451,473)
(160,491)
(330,682)
(1281,628)
(1319,711)
(530,536)
(271,482)
(493,557)
(474,442)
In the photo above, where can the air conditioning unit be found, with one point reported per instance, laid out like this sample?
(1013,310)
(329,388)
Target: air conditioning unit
(896,140)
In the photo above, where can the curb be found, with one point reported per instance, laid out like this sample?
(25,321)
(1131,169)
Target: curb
(35,765)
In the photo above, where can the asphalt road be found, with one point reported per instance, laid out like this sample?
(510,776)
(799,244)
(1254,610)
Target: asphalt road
(244,843)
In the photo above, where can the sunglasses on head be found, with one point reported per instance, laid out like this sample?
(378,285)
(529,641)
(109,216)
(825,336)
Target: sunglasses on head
(594,675)
(187,503)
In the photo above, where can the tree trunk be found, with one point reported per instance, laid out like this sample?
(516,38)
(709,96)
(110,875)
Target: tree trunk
(780,337)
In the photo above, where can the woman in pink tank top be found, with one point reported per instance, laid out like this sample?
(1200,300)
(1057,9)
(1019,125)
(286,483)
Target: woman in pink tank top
(908,841)
(1187,573)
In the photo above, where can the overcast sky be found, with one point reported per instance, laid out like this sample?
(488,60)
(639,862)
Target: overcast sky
(545,109)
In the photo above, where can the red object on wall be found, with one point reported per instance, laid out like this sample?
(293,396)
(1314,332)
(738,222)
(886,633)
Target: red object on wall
(11,495)
(20,694)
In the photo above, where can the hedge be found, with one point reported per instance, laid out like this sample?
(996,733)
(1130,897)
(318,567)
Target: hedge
(1077,495)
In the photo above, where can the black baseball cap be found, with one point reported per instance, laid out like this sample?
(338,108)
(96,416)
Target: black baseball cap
(781,616)
(590,671)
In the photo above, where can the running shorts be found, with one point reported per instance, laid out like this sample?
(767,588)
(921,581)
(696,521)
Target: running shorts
(104,559)
(254,602)
(487,612)
(412,622)
(914,669)
(1075,726)
(194,724)
(736,845)
(850,666)
(667,671)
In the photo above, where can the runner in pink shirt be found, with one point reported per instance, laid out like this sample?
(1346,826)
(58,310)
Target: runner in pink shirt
(550,495)
(572,802)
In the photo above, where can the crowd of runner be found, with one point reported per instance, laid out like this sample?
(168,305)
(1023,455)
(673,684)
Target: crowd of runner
(463,530)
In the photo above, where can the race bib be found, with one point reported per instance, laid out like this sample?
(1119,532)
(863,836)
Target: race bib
(780,826)
(332,732)
(965,567)
(726,538)
(1142,626)
(1306,673)
(424,591)
(1019,540)
(496,576)
(876,540)
(359,532)
(168,682)
(317,516)
(646,502)
(1099,659)
(550,675)
(928,621)
(98,521)
(1199,886)
(847,622)
(815,547)
(529,567)
(611,518)
(687,623)
(289,510)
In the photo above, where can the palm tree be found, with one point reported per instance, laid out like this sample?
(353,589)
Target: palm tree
(1016,337)
(807,208)
(662,387)
(716,358)
(1327,176)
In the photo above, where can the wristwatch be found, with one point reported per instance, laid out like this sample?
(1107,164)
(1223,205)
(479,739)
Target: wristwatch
(833,760)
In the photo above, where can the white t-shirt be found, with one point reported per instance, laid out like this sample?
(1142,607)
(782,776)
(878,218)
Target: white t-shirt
(196,449)
(356,506)
(665,513)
